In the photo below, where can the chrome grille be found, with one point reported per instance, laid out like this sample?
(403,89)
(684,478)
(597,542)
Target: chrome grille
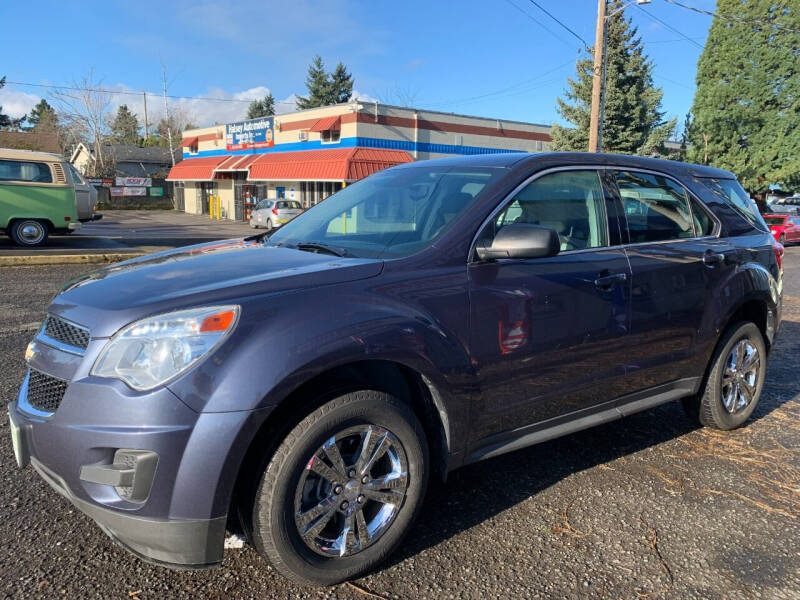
(45,392)
(65,332)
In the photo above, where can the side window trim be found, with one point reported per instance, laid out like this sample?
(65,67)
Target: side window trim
(689,198)
(511,196)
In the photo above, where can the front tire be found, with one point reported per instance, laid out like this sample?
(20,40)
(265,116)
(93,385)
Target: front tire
(269,225)
(29,232)
(782,240)
(735,379)
(342,489)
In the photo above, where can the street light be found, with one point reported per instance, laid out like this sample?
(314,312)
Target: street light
(599,79)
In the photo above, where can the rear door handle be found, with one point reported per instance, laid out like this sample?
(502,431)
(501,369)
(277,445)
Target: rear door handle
(712,259)
(607,281)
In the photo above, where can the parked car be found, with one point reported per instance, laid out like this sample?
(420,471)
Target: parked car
(271,214)
(788,205)
(784,228)
(429,316)
(39,195)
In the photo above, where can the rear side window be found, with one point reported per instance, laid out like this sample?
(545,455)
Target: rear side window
(17,170)
(774,220)
(656,209)
(570,202)
(730,191)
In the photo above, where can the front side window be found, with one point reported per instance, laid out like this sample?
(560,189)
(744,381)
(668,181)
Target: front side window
(570,202)
(392,213)
(656,208)
(18,170)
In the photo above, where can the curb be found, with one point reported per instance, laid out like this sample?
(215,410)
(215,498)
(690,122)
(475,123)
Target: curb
(65,259)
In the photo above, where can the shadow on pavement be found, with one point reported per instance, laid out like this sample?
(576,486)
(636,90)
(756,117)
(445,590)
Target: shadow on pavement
(480,491)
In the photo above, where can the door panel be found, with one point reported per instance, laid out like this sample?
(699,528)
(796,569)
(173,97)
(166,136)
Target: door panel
(548,334)
(675,270)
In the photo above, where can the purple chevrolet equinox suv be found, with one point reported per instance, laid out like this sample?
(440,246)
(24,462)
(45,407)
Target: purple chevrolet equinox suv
(307,385)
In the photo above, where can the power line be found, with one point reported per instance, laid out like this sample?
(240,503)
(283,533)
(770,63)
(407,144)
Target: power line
(670,27)
(732,18)
(133,92)
(502,91)
(540,24)
(545,11)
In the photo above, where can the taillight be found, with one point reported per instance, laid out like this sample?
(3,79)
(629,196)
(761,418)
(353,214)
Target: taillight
(275,211)
(777,247)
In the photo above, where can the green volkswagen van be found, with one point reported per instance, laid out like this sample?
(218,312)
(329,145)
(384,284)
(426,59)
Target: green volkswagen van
(37,196)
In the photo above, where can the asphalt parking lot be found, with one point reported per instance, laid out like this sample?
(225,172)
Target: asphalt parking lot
(647,507)
(130,231)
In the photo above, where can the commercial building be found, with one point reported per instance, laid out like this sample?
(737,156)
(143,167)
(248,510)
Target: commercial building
(309,155)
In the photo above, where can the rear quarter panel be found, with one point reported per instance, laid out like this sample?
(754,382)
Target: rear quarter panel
(49,202)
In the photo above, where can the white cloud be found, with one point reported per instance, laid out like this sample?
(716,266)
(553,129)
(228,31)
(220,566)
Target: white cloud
(16,103)
(362,97)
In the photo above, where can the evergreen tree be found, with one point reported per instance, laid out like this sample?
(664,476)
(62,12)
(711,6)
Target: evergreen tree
(633,122)
(326,88)
(5,120)
(43,118)
(341,84)
(318,84)
(261,108)
(124,127)
(747,104)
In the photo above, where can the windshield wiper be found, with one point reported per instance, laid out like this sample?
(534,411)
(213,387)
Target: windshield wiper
(318,247)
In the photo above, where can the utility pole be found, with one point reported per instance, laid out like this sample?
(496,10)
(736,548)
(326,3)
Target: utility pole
(146,135)
(597,80)
(166,113)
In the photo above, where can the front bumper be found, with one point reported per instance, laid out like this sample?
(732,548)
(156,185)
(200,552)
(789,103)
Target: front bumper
(180,520)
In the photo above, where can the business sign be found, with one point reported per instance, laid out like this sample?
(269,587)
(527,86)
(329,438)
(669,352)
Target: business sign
(135,191)
(102,181)
(156,191)
(134,181)
(117,191)
(256,133)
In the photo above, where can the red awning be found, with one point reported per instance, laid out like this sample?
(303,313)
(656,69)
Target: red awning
(189,142)
(237,162)
(335,164)
(196,169)
(326,124)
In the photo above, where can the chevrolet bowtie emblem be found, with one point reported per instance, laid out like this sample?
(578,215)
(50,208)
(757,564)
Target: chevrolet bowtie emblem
(30,352)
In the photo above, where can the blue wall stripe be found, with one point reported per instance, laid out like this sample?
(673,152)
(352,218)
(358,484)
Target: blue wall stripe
(364,142)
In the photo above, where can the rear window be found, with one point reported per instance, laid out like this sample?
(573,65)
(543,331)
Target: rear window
(730,191)
(774,220)
(18,170)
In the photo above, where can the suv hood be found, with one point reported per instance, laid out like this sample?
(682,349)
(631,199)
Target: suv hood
(205,274)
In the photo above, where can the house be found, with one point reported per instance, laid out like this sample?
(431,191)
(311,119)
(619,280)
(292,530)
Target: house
(28,140)
(126,161)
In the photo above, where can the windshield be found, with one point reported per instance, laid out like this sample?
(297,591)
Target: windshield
(774,220)
(393,213)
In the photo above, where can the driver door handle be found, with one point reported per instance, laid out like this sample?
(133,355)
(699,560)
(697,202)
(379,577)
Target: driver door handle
(607,281)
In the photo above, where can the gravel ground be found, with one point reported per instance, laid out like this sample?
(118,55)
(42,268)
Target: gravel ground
(647,507)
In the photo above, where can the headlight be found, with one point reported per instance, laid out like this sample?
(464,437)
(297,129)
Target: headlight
(150,352)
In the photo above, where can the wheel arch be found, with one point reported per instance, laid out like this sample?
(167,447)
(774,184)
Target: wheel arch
(390,376)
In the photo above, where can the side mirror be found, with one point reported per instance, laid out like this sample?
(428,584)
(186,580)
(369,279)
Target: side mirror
(520,240)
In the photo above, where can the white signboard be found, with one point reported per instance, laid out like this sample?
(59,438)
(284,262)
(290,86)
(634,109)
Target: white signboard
(135,191)
(134,181)
(291,193)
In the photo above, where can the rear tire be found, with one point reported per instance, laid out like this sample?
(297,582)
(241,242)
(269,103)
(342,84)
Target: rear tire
(29,233)
(355,511)
(735,379)
(782,240)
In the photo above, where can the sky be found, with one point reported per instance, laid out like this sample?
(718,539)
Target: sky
(503,59)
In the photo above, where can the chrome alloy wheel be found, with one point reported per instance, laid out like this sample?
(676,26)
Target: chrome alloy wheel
(351,490)
(740,378)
